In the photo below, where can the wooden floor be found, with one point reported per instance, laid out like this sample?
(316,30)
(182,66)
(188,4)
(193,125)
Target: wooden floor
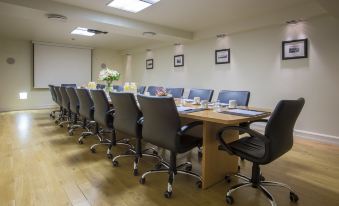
(41,165)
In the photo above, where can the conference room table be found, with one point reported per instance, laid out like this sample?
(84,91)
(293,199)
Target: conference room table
(215,164)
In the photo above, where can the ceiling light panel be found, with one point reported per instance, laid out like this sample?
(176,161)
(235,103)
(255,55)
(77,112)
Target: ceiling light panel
(82,31)
(132,5)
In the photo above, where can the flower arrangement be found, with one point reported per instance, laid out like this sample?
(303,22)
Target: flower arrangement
(109,75)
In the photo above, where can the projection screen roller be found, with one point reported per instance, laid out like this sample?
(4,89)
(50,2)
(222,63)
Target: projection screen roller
(61,64)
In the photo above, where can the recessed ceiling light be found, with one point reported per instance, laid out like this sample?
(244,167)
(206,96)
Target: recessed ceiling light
(294,21)
(57,17)
(132,5)
(82,31)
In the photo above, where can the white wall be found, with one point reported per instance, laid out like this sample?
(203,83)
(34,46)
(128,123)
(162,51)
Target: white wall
(256,66)
(18,77)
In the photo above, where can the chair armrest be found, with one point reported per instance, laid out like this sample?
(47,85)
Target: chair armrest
(259,120)
(251,132)
(140,121)
(110,112)
(189,126)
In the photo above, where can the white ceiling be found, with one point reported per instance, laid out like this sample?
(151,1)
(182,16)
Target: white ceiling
(172,20)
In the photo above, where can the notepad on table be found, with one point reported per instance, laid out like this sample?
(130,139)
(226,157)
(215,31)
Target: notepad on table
(244,112)
(183,109)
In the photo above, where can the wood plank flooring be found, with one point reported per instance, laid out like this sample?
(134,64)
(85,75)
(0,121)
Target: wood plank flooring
(41,165)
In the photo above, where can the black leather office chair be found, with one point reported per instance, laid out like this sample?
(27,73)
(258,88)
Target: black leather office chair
(59,102)
(263,149)
(86,111)
(74,109)
(162,127)
(104,116)
(101,86)
(141,89)
(242,97)
(153,90)
(54,98)
(65,107)
(118,88)
(175,92)
(126,117)
(69,85)
(204,94)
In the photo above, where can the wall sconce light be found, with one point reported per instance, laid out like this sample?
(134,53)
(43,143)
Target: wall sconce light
(23,95)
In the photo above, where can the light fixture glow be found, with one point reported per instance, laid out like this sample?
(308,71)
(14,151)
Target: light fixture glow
(23,95)
(132,5)
(82,31)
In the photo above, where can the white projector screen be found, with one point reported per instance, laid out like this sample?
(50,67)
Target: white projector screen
(61,64)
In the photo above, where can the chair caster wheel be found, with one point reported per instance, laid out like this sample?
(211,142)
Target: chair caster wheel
(199,184)
(293,197)
(142,181)
(228,179)
(109,156)
(70,133)
(229,200)
(188,168)
(61,126)
(93,150)
(168,194)
(80,142)
(238,168)
(155,153)
(115,163)
(158,166)
(135,172)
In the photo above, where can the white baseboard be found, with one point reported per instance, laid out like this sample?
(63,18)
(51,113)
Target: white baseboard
(50,106)
(305,134)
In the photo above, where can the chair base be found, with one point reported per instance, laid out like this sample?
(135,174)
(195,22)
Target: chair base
(172,170)
(261,185)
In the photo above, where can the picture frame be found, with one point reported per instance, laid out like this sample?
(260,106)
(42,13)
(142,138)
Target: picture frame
(149,63)
(222,56)
(179,60)
(295,49)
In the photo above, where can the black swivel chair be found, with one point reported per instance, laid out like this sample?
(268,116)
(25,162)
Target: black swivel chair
(69,85)
(61,116)
(54,98)
(162,127)
(126,117)
(104,116)
(74,109)
(118,88)
(86,111)
(65,107)
(141,89)
(101,86)
(204,94)
(153,90)
(263,149)
(242,97)
(175,92)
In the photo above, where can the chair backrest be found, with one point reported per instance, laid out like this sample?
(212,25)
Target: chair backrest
(73,99)
(52,91)
(58,95)
(127,113)
(141,89)
(118,88)
(175,92)
(280,126)
(242,97)
(69,85)
(153,90)
(204,94)
(65,98)
(86,105)
(102,107)
(101,86)
(161,121)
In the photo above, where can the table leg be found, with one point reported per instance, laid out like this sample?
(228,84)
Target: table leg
(215,163)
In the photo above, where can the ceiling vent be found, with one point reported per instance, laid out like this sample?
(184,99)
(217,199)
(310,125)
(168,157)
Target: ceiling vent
(57,17)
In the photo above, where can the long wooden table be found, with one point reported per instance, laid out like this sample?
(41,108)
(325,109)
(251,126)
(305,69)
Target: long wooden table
(216,164)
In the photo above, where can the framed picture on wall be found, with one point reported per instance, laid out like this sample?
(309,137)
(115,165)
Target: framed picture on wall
(149,63)
(294,49)
(178,60)
(222,56)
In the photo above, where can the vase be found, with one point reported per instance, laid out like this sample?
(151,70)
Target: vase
(109,87)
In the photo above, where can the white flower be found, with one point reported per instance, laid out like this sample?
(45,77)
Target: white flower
(108,75)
